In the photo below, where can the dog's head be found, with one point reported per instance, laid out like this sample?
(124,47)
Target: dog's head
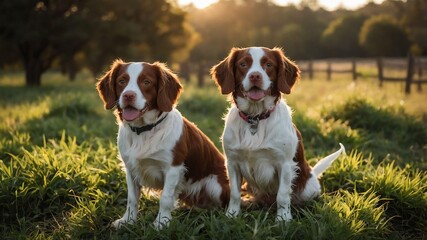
(255,76)
(137,88)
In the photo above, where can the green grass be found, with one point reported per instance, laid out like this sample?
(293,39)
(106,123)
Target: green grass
(60,177)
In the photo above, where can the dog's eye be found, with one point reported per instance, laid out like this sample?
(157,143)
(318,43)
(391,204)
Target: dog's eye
(122,81)
(243,64)
(146,82)
(269,65)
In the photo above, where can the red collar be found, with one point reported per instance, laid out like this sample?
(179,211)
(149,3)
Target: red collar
(250,119)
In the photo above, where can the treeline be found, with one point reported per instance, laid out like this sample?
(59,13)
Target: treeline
(308,32)
(74,34)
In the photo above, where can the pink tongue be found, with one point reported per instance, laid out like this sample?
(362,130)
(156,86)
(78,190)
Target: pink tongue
(256,94)
(130,114)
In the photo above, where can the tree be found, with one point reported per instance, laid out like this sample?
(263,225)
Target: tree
(255,22)
(341,37)
(293,38)
(46,30)
(40,29)
(150,30)
(383,36)
(415,21)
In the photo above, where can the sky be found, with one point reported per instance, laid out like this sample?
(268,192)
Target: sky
(327,4)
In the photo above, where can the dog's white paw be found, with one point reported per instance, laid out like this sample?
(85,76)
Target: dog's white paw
(232,212)
(120,222)
(161,222)
(283,218)
(283,214)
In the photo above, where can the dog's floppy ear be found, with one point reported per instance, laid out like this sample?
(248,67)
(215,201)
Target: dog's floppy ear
(169,88)
(106,86)
(288,72)
(223,72)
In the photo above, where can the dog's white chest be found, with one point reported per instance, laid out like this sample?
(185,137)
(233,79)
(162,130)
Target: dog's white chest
(149,173)
(260,169)
(260,157)
(149,155)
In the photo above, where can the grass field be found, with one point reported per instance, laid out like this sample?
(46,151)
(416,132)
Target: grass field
(60,177)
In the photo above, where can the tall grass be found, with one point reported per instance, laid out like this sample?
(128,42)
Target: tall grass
(387,132)
(60,177)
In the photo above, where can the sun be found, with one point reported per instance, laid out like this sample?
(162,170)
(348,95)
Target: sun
(197,3)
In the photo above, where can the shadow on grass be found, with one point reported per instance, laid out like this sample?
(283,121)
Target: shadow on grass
(69,112)
(17,95)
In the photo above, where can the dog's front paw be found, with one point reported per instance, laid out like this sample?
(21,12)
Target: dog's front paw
(283,215)
(161,222)
(286,218)
(232,212)
(120,222)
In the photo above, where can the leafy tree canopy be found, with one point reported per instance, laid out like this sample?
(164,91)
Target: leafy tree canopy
(340,38)
(383,36)
(46,30)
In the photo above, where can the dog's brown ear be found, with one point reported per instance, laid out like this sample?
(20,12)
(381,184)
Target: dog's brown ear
(223,72)
(106,86)
(169,88)
(288,72)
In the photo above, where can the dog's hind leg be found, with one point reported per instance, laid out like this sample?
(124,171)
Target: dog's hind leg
(312,188)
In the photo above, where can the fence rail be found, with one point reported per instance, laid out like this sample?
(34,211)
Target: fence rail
(414,68)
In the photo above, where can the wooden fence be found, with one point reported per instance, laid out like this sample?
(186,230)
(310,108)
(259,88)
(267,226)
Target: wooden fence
(409,70)
(386,69)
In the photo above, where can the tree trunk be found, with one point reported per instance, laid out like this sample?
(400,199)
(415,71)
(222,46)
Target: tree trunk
(33,71)
(72,71)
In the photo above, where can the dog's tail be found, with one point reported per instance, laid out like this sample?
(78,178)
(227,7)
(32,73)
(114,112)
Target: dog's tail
(323,164)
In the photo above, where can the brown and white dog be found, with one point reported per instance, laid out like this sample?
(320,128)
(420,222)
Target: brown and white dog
(260,142)
(160,148)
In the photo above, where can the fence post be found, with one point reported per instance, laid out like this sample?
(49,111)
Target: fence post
(201,74)
(310,69)
(185,71)
(419,67)
(410,73)
(353,69)
(329,69)
(380,71)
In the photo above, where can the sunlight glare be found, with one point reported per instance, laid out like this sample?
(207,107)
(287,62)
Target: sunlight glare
(326,4)
(197,3)
(332,4)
